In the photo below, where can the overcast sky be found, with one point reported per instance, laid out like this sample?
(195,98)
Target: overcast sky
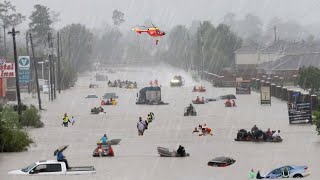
(167,13)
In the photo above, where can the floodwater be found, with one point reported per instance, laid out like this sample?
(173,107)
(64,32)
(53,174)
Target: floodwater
(136,157)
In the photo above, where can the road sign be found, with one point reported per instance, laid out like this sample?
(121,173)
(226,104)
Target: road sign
(2,61)
(299,112)
(24,62)
(265,96)
(24,69)
(24,76)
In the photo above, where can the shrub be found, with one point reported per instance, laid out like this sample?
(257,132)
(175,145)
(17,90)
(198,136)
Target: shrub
(316,121)
(31,117)
(12,137)
(14,140)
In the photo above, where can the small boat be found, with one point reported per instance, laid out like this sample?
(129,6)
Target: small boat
(165,152)
(198,102)
(110,142)
(102,152)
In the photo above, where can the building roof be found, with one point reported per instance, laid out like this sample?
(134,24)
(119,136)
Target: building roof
(286,47)
(292,62)
(249,49)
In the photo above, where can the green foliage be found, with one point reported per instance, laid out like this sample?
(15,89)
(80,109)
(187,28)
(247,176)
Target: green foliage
(12,137)
(31,117)
(68,75)
(8,15)
(40,23)
(77,42)
(308,79)
(213,46)
(117,17)
(316,121)
(108,45)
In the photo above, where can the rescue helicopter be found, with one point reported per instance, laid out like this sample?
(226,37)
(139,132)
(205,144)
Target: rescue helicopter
(152,31)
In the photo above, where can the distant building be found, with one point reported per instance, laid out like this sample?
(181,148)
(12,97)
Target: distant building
(290,64)
(261,59)
(247,57)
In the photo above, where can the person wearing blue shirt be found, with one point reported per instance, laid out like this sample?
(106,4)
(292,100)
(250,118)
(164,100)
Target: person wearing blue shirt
(104,139)
(62,158)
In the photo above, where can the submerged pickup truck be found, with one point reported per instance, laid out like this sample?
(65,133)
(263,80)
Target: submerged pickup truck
(53,167)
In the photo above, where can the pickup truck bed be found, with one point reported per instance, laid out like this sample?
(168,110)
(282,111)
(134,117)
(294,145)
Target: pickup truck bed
(82,168)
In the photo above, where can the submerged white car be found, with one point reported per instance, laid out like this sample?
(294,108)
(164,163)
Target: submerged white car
(294,172)
(52,167)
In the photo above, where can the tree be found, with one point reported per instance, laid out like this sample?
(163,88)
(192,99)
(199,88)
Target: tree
(212,46)
(118,17)
(9,17)
(316,121)
(77,42)
(41,22)
(229,19)
(308,79)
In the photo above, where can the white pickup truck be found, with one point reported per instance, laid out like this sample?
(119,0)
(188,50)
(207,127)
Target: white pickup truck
(53,167)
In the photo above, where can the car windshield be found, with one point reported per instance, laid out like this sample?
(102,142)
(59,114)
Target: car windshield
(27,169)
(220,159)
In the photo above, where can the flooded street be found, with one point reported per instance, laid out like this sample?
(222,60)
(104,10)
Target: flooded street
(136,157)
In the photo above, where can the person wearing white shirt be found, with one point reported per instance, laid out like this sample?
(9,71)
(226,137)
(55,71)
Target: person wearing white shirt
(276,134)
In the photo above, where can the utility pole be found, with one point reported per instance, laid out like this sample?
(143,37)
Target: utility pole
(13,33)
(4,41)
(58,55)
(275,33)
(27,46)
(50,68)
(35,62)
(53,70)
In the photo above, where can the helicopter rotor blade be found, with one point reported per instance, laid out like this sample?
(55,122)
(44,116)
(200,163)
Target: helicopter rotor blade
(153,25)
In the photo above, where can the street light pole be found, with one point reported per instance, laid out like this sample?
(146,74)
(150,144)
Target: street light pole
(13,33)
(41,69)
(51,66)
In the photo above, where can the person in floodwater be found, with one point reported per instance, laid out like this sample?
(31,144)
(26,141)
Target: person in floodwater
(62,158)
(135,84)
(110,151)
(101,109)
(151,115)
(228,103)
(190,109)
(252,175)
(285,173)
(195,88)
(195,130)
(276,135)
(65,120)
(181,151)
(73,120)
(100,150)
(149,118)
(197,99)
(104,139)
(145,123)
(234,103)
(259,175)
(269,134)
(254,129)
(140,127)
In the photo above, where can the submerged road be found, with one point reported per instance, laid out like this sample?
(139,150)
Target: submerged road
(136,157)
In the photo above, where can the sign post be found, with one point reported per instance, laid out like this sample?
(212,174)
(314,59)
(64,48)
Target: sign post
(265,95)
(24,69)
